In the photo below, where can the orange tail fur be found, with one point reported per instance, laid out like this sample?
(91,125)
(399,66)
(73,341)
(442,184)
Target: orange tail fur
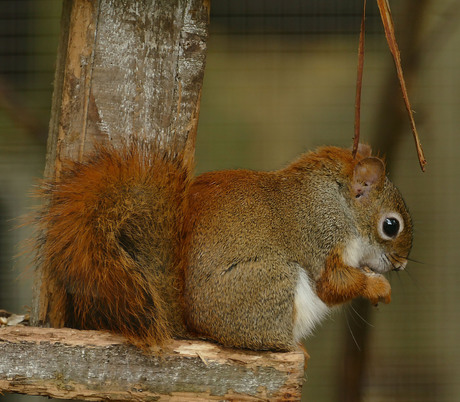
(109,243)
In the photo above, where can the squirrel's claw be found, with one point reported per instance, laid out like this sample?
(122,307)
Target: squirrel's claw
(378,289)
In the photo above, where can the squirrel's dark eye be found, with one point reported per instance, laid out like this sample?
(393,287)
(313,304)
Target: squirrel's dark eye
(390,227)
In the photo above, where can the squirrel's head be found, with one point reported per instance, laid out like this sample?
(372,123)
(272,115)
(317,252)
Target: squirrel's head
(382,218)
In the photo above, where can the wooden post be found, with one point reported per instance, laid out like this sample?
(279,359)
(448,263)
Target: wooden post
(124,69)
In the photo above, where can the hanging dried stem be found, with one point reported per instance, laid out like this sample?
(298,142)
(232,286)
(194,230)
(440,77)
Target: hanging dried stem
(359,82)
(385,14)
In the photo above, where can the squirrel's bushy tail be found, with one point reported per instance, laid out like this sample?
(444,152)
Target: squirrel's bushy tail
(109,243)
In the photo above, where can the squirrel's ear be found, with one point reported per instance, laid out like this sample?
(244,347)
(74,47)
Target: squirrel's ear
(368,174)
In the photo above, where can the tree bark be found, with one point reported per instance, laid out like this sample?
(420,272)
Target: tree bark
(125,69)
(91,365)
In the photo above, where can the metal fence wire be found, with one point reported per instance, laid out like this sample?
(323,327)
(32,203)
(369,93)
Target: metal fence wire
(280,79)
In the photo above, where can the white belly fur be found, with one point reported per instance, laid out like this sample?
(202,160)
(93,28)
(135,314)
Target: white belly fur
(310,310)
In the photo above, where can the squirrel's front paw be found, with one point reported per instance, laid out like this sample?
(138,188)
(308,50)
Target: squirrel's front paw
(378,289)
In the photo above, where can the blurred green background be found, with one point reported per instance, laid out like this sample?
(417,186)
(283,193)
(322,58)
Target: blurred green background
(280,79)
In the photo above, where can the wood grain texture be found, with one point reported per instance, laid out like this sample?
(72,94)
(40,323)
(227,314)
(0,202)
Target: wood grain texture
(91,365)
(127,68)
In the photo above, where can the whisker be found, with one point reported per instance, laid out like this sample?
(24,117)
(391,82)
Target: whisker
(389,261)
(384,259)
(396,258)
(400,279)
(350,314)
(360,316)
(411,276)
(351,333)
(410,259)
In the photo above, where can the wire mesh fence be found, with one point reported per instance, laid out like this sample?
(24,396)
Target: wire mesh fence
(280,79)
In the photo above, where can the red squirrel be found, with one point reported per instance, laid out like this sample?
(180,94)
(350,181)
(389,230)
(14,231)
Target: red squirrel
(132,243)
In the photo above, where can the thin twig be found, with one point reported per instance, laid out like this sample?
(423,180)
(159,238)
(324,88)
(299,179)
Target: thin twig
(388,25)
(359,82)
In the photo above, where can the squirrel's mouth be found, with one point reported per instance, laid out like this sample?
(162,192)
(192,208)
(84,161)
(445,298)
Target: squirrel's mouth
(371,258)
(396,262)
(385,263)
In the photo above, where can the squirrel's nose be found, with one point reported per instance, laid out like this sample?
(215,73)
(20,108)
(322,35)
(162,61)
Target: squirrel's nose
(400,265)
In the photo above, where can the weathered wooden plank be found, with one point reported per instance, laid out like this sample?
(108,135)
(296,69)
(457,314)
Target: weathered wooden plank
(127,68)
(92,365)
